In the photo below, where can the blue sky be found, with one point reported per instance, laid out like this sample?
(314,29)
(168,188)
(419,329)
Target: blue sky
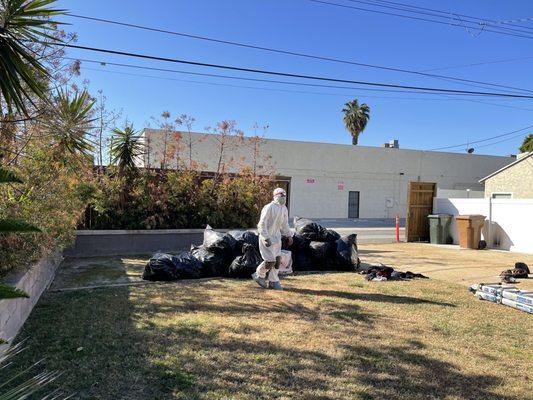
(420,122)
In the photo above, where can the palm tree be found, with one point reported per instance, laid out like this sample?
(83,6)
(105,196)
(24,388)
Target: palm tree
(71,122)
(355,118)
(527,145)
(125,149)
(21,73)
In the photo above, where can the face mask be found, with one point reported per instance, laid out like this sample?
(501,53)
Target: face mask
(280,200)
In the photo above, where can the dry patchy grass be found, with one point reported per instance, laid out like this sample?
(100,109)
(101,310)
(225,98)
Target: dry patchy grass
(327,336)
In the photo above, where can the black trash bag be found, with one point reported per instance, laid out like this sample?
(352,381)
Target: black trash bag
(323,251)
(331,236)
(323,255)
(241,238)
(244,266)
(166,267)
(236,234)
(302,260)
(222,245)
(213,264)
(252,238)
(347,253)
(239,241)
(298,243)
(218,241)
(314,232)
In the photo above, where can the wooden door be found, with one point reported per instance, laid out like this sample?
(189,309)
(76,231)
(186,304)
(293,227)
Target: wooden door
(419,206)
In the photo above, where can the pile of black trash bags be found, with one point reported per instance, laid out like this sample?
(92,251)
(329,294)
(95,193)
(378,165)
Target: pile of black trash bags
(235,254)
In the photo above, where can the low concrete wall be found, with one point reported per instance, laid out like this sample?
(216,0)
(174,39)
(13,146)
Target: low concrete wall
(124,242)
(34,281)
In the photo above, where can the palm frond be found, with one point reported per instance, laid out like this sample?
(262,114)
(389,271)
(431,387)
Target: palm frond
(7,176)
(21,73)
(9,292)
(12,225)
(72,122)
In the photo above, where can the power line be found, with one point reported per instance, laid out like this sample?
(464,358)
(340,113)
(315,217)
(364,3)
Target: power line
(291,53)
(268,89)
(510,22)
(290,75)
(448,15)
(416,18)
(478,63)
(482,140)
(501,141)
(105,63)
(240,78)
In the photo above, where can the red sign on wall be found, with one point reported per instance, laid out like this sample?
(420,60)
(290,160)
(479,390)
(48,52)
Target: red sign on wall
(310,180)
(340,186)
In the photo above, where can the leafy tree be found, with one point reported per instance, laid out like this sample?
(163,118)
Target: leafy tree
(9,225)
(22,74)
(355,118)
(527,145)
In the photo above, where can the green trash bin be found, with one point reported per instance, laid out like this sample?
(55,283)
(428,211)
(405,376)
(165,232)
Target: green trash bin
(439,228)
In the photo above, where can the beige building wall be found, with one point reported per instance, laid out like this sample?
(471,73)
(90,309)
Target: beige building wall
(517,180)
(322,174)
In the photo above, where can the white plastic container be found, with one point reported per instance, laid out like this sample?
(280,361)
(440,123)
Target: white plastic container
(285,265)
(494,289)
(521,296)
(488,296)
(519,306)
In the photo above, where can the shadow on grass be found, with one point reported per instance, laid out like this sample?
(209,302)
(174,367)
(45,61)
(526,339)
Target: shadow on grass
(400,372)
(163,342)
(384,298)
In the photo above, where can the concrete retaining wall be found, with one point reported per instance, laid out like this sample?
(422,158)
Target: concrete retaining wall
(125,242)
(34,281)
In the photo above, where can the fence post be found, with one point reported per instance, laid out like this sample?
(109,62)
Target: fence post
(489,233)
(397,228)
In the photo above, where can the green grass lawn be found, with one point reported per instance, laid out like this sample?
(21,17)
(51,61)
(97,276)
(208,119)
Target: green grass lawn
(330,336)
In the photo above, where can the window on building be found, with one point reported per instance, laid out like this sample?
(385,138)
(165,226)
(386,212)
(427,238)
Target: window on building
(502,195)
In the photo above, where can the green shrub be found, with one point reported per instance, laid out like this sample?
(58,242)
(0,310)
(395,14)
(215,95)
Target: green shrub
(48,198)
(179,199)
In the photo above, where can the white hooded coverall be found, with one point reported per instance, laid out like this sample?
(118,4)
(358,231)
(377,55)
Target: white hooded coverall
(274,223)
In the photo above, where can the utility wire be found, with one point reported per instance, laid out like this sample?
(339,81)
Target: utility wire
(443,14)
(267,89)
(240,78)
(482,140)
(508,22)
(142,67)
(286,74)
(501,141)
(478,63)
(416,18)
(292,53)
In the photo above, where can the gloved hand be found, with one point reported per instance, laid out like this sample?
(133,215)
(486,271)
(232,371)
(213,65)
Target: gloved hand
(268,242)
(290,241)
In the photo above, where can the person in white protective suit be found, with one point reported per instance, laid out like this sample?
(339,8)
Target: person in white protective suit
(274,223)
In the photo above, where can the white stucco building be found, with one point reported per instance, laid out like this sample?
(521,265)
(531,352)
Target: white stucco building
(332,180)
